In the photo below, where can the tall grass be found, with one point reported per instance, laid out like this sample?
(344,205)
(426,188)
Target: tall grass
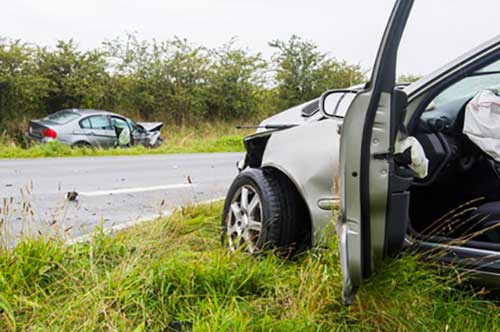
(207,137)
(173,273)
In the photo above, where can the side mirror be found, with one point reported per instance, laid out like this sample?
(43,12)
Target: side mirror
(336,102)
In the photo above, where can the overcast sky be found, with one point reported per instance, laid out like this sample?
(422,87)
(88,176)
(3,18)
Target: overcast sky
(438,31)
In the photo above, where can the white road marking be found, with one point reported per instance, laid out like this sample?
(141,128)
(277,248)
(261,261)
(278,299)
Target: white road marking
(120,227)
(134,190)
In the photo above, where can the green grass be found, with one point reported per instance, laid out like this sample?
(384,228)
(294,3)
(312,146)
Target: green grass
(207,138)
(175,270)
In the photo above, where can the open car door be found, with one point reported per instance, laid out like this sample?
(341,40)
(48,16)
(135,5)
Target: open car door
(374,183)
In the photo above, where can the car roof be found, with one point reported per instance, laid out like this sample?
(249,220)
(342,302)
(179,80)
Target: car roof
(86,111)
(422,84)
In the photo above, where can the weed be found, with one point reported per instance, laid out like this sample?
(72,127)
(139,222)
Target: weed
(204,138)
(174,272)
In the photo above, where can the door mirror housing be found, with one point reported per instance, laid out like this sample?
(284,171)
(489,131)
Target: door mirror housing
(336,102)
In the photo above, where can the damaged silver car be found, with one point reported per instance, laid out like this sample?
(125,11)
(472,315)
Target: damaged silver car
(415,165)
(94,128)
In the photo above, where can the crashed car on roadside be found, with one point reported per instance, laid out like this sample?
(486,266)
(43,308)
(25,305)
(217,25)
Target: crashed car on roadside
(415,165)
(94,128)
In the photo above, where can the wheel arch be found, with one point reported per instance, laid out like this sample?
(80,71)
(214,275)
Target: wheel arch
(308,156)
(81,142)
(306,222)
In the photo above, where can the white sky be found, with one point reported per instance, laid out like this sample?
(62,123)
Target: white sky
(438,31)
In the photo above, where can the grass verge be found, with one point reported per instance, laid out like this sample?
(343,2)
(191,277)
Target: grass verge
(174,272)
(206,138)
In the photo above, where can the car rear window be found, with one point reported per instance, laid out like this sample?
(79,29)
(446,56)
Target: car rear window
(100,122)
(62,117)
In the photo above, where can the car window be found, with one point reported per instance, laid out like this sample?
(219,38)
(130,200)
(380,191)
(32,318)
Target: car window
(85,124)
(485,78)
(100,122)
(135,126)
(62,117)
(119,122)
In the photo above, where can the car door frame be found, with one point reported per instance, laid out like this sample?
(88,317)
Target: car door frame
(368,170)
(103,137)
(93,135)
(128,124)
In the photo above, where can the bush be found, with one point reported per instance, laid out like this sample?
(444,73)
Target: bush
(173,81)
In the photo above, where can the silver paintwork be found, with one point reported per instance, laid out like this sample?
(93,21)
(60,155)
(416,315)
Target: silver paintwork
(308,155)
(317,139)
(72,133)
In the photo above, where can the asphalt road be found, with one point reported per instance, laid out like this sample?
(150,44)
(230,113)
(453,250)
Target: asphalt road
(112,190)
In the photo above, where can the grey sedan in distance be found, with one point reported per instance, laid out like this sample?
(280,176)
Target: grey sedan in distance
(94,128)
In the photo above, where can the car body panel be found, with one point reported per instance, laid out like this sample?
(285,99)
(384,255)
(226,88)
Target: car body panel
(151,126)
(367,170)
(72,133)
(416,93)
(313,170)
(291,116)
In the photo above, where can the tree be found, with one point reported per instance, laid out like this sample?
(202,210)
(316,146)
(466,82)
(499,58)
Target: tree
(75,79)
(21,88)
(408,78)
(161,78)
(303,72)
(235,83)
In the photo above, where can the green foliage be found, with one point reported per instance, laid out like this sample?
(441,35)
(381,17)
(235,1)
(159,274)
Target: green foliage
(409,78)
(174,272)
(235,84)
(173,81)
(304,73)
(74,78)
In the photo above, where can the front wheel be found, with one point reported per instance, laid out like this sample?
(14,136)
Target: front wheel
(261,211)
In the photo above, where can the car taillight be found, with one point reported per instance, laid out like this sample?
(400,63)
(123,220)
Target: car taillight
(49,133)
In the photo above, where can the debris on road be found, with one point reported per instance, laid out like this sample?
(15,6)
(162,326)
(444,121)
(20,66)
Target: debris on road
(71,196)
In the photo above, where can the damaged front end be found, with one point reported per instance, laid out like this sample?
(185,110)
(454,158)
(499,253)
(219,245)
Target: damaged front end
(149,135)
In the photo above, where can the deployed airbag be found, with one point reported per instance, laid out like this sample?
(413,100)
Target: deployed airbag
(419,162)
(482,122)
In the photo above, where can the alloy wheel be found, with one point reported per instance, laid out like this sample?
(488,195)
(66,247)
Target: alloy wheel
(244,220)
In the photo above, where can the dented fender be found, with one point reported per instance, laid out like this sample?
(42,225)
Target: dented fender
(309,156)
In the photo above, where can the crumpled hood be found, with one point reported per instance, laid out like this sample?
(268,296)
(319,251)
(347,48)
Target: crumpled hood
(294,116)
(151,126)
(291,116)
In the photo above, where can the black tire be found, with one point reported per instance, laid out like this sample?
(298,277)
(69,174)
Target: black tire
(280,226)
(82,144)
